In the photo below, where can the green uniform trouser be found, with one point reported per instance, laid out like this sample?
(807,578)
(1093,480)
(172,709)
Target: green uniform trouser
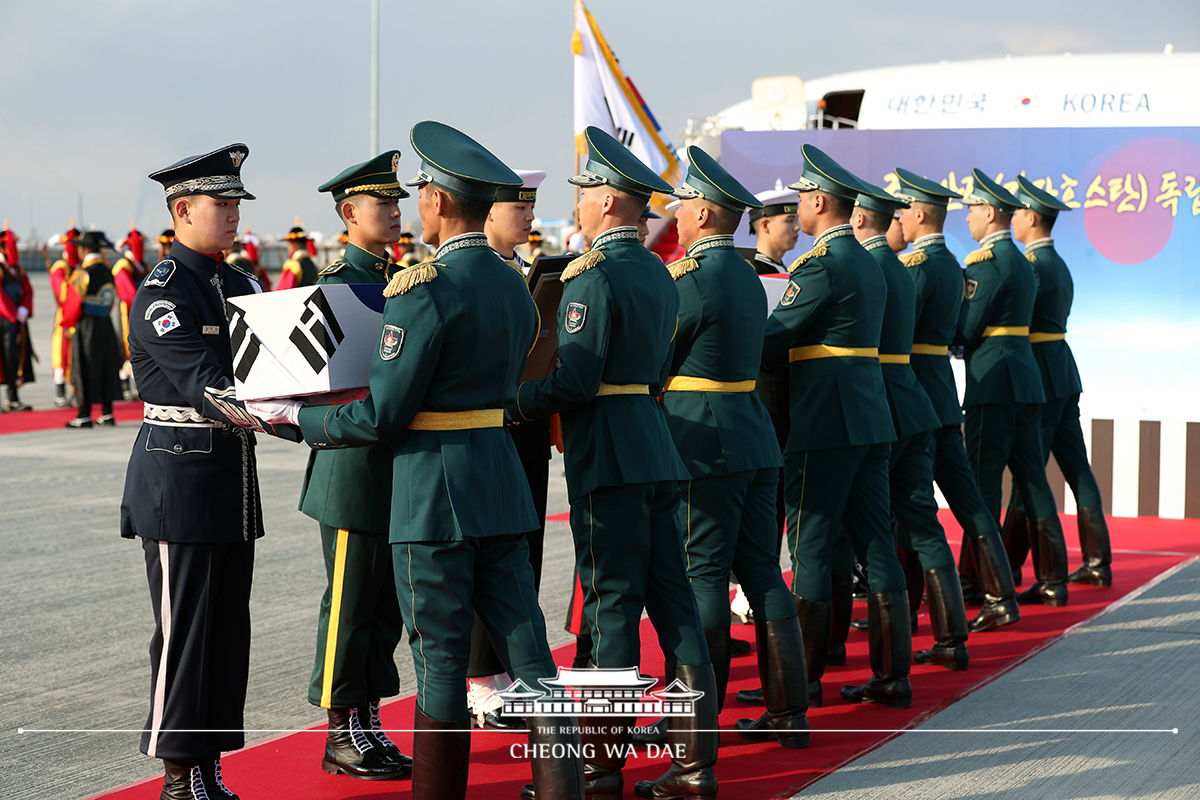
(441,585)
(826,490)
(953,474)
(910,474)
(629,556)
(729,523)
(1062,435)
(359,624)
(1009,435)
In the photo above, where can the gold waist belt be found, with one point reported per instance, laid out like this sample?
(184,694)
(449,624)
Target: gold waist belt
(893,358)
(622,388)
(686,383)
(1046,337)
(930,350)
(457,420)
(1006,330)
(829,351)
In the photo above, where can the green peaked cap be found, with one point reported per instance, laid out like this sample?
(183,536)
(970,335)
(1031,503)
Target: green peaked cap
(610,162)
(1038,200)
(822,173)
(453,161)
(916,189)
(878,200)
(376,177)
(708,179)
(989,193)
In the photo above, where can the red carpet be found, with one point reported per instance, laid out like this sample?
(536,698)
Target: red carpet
(1144,548)
(25,421)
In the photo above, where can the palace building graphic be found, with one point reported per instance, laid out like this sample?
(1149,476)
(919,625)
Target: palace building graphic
(600,693)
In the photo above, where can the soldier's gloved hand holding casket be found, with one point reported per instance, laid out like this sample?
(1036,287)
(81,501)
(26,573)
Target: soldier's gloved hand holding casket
(275,411)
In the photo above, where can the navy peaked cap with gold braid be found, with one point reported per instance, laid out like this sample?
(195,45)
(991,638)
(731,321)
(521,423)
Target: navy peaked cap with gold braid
(916,189)
(878,200)
(216,174)
(822,173)
(708,179)
(376,177)
(989,193)
(1038,200)
(453,161)
(610,163)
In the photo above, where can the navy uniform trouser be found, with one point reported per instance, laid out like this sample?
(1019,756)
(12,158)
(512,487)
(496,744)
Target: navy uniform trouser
(441,586)
(910,474)
(200,651)
(359,624)
(827,490)
(629,556)
(728,523)
(1000,435)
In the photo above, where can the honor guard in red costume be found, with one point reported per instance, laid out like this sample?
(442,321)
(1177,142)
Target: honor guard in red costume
(299,269)
(16,307)
(128,273)
(67,310)
(95,351)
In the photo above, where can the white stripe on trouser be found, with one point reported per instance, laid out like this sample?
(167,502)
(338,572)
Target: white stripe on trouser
(160,685)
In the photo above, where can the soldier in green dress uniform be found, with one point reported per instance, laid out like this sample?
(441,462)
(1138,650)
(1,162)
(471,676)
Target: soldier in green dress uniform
(456,334)
(727,443)
(617,319)
(346,491)
(1004,386)
(828,324)
(910,468)
(938,280)
(1061,432)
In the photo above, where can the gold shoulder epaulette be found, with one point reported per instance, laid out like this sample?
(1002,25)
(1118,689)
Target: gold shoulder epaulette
(816,252)
(406,279)
(582,264)
(332,269)
(515,266)
(1031,256)
(682,267)
(983,254)
(914,259)
(656,255)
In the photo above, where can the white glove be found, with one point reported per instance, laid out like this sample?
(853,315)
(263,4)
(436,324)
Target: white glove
(276,411)
(22,313)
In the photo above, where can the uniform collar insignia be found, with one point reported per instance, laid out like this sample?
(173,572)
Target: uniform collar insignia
(875,242)
(615,235)
(473,239)
(992,238)
(363,258)
(836,232)
(930,240)
(709,242)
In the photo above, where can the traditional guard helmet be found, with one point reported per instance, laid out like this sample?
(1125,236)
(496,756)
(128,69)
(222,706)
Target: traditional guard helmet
(167,236)
(989,193)
(610,163)
(822,173)
(455,162)
(376,177)
(93,240)
(1038,200)
(916,189)
(216,174)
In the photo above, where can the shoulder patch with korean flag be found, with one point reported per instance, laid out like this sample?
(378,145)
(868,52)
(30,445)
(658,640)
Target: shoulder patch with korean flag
(166,323)
(790,294)
(576,316)
(390,342)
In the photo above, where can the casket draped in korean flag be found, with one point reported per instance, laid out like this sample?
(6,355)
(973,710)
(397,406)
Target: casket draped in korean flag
(306,341)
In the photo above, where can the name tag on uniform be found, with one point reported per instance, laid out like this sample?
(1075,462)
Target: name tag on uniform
(210,330)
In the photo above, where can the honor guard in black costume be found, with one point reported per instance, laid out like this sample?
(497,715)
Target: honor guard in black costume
(508,226)
(828,325)
(299,269)
(910,467)
(456,334)
(96,355)
(1061,432)
(1004,385)
(938,280)
(617,319)
(348,493)
(191,491)
(727,443)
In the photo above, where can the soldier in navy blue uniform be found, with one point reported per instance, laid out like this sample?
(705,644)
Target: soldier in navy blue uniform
(191,491)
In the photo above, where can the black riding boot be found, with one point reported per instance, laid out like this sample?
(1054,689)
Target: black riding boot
(948,616)
(999,594)
(841,611)
(1050,565)
(891,653)
(656,732)
(1016,533)
(441,758)
(785,685)
(555,759)
(693,742)
(1096,546)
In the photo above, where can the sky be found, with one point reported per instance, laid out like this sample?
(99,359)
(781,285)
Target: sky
(96,95)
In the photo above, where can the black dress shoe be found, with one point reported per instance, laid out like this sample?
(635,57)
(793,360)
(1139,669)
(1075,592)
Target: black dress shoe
(751,697)
(79,422)
(858,624)
(739,647)
(17,405)
(495,721)
(107,419)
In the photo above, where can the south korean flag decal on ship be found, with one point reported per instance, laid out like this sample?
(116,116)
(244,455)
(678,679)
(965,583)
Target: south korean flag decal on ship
(576,316)
(390,342)
(167,322)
